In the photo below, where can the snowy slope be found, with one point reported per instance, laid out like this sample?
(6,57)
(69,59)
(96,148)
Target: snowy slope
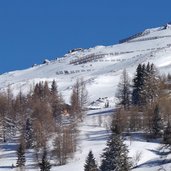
(100,66)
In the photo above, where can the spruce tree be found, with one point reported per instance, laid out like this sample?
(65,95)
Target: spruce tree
(45,164)
(145,85)
(54,88)
(28,134)
(21,156)
(90,164)
(115,156)
(138,83)
(124,92)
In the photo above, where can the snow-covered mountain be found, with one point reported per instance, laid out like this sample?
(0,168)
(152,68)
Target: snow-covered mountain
(100,66)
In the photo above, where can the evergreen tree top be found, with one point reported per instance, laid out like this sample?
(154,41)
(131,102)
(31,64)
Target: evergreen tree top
(90,164)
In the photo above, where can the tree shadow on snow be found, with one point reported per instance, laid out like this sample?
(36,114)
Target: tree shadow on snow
(139,136)
(153,163)
(97,135)
(111,111)
(159,152)
(9,146)
(6,167)
(156,162)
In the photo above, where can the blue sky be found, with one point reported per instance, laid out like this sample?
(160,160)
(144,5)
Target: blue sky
(33,30)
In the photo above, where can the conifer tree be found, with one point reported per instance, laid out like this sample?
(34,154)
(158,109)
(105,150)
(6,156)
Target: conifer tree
(28,134)
(54,88)
(150,88)
(90,164)
(138,83)
(145,85)
(115,156)
(57,102)
(21,156)
(45,164)
(46,91)
(124,91)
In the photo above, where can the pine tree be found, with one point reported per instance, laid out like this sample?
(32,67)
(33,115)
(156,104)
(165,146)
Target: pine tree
(115,156)
(90,164)
(54,88)
(21,156)
(145,85)
(45,164)
(57,102)
(28,134)
(138,83)
(46,91)
(124,91)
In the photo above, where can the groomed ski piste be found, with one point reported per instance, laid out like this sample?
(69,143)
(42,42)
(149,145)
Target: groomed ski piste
(100,67)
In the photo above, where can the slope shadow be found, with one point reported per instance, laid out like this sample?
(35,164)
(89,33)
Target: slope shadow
(6,167)
(159,152)
(97,135)
(139,136)
(9,146)
(102,112)
(154,163)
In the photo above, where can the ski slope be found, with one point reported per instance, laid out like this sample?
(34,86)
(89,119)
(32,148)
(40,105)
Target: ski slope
(101,68)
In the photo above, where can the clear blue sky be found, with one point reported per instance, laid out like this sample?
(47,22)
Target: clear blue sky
(32,30)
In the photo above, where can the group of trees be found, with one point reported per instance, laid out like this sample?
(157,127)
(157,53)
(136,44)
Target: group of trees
(143,105)
(139,100)
(144,101)
(143,90)
(115,155)
(40,116)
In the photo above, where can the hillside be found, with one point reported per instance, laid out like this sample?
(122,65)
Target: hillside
(99,66)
